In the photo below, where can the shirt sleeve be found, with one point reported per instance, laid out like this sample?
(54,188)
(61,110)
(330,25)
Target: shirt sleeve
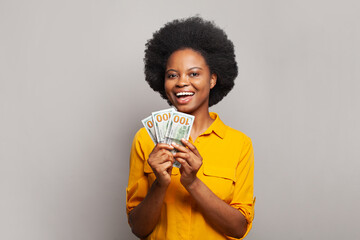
(138,184)
(243,199)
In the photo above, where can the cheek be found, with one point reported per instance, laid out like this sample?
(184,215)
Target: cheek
(167,87)
(204,85)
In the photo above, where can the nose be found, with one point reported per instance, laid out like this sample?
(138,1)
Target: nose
(183,81)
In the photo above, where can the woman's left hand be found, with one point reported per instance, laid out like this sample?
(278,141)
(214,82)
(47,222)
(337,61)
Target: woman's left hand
(190,160)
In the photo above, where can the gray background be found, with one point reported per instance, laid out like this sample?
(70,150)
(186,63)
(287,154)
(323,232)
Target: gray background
(72,94)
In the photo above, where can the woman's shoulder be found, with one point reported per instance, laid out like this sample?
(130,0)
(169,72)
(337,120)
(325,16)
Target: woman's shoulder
(228,132)
(237,135)
(143,138)
(141,133)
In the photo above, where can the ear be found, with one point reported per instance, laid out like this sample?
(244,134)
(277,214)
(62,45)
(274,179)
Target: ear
(213,80)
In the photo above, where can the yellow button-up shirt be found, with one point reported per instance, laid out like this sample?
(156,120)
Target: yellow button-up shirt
(227,169)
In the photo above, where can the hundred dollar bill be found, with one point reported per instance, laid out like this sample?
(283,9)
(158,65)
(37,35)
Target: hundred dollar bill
(149,126)
(179,127)
(161,119)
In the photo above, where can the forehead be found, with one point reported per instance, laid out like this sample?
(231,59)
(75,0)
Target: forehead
(185,59)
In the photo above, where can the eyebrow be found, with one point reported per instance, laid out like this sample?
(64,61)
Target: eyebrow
(187,70)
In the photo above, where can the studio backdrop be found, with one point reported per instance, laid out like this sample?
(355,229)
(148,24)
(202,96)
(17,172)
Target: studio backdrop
(72,95)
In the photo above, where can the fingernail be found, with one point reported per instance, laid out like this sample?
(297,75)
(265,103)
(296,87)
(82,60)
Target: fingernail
(174,144)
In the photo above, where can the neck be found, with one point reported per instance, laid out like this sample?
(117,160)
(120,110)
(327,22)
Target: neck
(201,123)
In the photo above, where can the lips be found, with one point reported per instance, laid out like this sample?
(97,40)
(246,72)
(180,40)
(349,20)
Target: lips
(184,94)
(184,97)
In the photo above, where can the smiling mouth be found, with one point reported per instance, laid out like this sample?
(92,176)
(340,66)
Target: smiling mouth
(184,97)
(184,94)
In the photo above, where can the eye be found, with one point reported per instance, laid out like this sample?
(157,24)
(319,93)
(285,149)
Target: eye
(194,74)
(171,75)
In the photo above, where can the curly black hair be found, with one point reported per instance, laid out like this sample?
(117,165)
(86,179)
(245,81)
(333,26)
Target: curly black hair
(197,34)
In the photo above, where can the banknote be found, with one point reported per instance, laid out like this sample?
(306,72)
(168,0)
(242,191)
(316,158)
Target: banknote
(149,126)
(179,127)
(161,119)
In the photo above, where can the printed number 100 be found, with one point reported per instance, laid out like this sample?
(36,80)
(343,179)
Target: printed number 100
(182,120)
(164,117)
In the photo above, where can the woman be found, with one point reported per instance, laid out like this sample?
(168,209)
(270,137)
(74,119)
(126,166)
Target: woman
(191,63)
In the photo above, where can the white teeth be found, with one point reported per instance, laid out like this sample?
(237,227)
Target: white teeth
(184,94)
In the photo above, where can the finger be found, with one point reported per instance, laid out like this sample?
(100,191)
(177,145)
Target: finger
(171,158)
(184,164)
(167,165)
(179,147)
(161,157)
(183,155)
(169,169)
(188,160)
(186,154)
(166,156)
(163,168)
(191,147)
(164,146)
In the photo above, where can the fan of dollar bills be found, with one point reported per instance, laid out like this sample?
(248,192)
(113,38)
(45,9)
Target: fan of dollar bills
(168,126)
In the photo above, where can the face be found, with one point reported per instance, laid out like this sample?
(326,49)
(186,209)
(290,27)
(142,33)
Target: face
(188,81)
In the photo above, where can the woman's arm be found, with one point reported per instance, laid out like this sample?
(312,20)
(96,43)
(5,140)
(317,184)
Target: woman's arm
(222,216)
(144,217)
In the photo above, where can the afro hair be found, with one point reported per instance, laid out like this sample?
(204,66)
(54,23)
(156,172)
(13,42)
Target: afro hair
(197,34)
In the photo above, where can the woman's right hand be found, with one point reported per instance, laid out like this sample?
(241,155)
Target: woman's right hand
(161,161)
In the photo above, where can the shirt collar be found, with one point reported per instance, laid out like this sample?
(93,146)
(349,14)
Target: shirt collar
(218,127)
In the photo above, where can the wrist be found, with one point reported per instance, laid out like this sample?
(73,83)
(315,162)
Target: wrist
(160,186)
(193,185)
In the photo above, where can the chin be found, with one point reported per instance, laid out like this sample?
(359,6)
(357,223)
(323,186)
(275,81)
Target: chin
(179,108)
(184,109)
